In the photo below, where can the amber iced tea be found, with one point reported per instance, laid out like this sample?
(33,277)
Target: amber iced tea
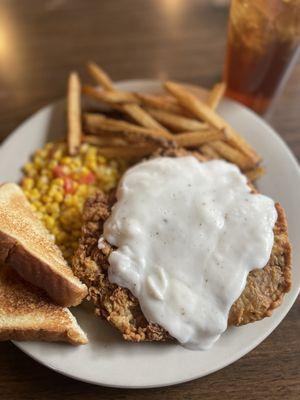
(263,40)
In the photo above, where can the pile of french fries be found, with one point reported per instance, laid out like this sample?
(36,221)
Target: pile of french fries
(184,117)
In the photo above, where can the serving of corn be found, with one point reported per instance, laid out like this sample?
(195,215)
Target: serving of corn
(57,186)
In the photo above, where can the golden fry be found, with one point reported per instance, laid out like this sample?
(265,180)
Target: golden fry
(98,123)
(141,116)
(74,113)
(194,139)
(104,140)
(216,95)
(198,155)
(128,152)
(109,97)
(209,152)
(231,154)
(203,112)
(176,122)
(255,174)
(165,103)
(100,76)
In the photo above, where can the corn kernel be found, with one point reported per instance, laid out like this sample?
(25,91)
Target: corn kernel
(46,199)
(67,161)
(49,221)
(92,164)
(58,182)
(52,208)
(58,197)
(52,164)
(27,183)
(57,154)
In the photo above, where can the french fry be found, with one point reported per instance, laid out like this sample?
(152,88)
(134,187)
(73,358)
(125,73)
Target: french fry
(98,123)
(133,110)
(198,155)
(74,114)
(141,116)
(104,140)
(128,152)
(165,103)
(195,139)
(216,95)
(209,152)
(109,97)
(203,112)
(122,101)
(100,76)
(176,122)
(255,174)
(231,154)
(190,111)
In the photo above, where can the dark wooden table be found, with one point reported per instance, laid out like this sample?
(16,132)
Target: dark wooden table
(40,42)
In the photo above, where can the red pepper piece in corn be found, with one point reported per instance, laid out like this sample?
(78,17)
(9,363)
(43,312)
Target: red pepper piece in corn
(88,179)
(58,171)
(68,185)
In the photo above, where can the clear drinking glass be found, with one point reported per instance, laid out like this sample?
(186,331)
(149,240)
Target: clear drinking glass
(263,42)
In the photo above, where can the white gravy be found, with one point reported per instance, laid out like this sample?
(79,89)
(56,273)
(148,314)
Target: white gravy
(187,235)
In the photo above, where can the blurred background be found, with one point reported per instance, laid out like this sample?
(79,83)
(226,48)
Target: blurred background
(41,41)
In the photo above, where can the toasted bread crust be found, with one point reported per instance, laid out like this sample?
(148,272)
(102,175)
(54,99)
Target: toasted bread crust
(42,335)
(64,292)
(27,313)
(264,290)
(26,245)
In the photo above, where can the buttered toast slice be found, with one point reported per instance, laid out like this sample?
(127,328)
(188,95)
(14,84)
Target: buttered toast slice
(27,246)
(26,313)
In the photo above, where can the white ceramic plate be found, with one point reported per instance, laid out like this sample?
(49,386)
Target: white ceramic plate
(107,360)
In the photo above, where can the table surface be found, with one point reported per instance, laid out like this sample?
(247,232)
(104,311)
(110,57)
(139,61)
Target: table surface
(40,42)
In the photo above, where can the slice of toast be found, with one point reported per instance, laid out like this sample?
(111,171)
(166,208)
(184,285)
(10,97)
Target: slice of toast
(26,313)
(27,246)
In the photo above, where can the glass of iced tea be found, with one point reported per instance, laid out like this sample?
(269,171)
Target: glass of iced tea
(262,45)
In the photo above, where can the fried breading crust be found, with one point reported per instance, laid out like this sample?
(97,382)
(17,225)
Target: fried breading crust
(266,287)
(117,305)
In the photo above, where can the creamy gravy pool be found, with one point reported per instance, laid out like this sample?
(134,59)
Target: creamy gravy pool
(188,234)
